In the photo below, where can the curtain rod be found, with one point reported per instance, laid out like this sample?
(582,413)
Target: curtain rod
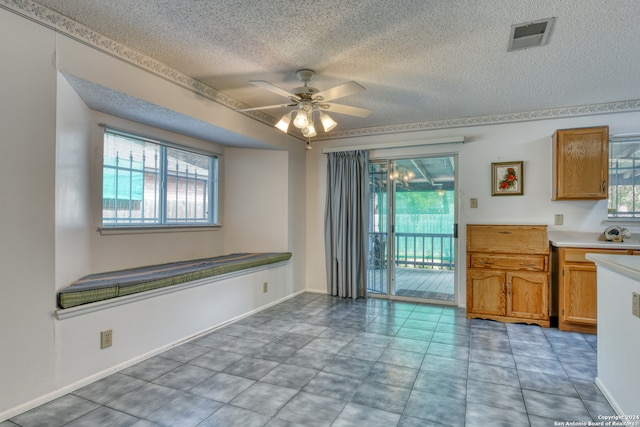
(399,144)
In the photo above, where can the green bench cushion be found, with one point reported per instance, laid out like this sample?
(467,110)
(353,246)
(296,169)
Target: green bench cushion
(101,286)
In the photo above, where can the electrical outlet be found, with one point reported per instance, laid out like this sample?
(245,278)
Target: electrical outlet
(106,338)
(559,219)
(473,202)
(265,287)
(635,309)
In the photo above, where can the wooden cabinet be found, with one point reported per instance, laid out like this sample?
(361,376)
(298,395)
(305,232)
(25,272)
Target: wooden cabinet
(577,288)
(528,295)
(580,163)
(508,273)
(486,293)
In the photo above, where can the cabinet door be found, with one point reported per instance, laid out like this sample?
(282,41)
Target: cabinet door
(528,295)
(486,292)
(579,294)
(581,163)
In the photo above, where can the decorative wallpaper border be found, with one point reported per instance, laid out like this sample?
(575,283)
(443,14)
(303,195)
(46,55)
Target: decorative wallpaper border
(73,29)
(60,23)
(553,113)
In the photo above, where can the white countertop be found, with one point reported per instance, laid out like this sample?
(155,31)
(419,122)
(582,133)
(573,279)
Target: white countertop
(628,266)
(577,239)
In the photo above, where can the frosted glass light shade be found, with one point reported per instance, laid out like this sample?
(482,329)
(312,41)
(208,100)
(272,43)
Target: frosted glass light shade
(327,122)
(310,131)
(301,121)
(284,122)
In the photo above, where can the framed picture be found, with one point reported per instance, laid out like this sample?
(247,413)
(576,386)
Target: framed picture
(507,179)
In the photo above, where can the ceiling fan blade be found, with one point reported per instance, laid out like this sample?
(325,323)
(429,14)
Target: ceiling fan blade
(347,109)
(275,89)
(345,89)
(266,107)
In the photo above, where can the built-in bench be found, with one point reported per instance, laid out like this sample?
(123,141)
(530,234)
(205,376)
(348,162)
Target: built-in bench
(103,286)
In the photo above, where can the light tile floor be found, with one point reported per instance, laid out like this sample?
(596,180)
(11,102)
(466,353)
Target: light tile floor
(317,360)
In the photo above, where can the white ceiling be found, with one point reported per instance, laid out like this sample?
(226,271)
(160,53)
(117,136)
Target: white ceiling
(421,61)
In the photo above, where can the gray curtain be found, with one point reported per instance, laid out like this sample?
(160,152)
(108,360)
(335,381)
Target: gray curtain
(346,223)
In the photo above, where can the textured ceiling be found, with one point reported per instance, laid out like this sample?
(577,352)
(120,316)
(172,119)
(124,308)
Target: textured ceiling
(421,61)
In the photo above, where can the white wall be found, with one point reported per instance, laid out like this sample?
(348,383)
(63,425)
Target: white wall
(143,328)
(256,214)
(257,209)
(527,141)
(50,210)
(618,332)
(72,178)
(27,240)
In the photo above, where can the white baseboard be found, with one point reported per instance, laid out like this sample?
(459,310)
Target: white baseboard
(607,395)
(316,291)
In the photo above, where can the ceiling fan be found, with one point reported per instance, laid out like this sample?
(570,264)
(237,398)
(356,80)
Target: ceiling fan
(309,100)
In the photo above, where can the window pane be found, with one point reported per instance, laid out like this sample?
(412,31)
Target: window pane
(130,182)
(149,183)
(188,180)
(624,185)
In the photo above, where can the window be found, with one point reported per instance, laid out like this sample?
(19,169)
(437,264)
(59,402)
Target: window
(150,183)
(624,177)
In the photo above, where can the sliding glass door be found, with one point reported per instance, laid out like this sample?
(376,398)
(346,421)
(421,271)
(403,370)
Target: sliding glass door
(412,228)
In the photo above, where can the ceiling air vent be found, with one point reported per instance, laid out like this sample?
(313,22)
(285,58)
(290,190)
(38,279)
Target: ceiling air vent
(530,34)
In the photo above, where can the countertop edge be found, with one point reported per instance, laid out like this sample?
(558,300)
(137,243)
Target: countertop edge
(594,244)
(589,240)
(623,264)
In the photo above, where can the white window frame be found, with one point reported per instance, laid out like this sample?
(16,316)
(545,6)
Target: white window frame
(619,167)
(161,222)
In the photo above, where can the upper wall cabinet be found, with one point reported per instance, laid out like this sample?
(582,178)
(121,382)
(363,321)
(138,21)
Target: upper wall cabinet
(580,163)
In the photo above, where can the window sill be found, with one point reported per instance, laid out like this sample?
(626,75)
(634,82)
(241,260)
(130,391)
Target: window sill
(111,231)
(616,221)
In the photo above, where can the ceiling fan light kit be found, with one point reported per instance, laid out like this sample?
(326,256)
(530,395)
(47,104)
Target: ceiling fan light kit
(327,122)
(308,100)
(302,119)
(309,131)
(284,122)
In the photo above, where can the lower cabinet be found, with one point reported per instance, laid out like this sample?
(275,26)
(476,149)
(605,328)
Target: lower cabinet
(578,299)
(528,295)
(508,296)
(508,273)
(486,292)
(578,288)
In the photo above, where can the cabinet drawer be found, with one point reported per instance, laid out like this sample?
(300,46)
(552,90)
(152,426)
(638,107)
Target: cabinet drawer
(506,262)
(579,255)
(508,239)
